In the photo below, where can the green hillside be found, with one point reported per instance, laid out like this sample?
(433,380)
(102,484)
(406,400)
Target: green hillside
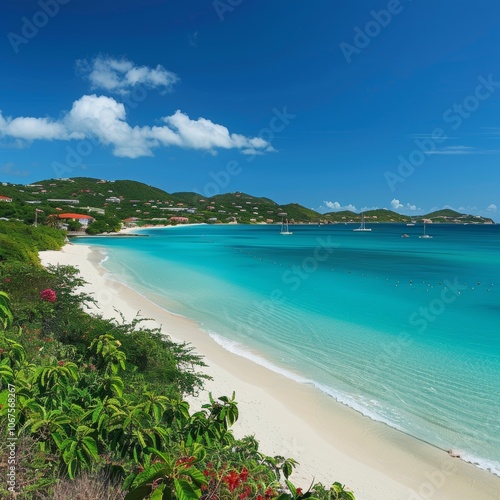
(444,213)
(84,189)
(126,199)
(342,216)
(379,215)
(385,215)
(227,198)
(298,213)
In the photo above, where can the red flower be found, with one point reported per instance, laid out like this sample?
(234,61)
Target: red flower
(188,461)
(299,491)
(246,493)
(244,474)
(7,279)
(48,295)
(232,480)
(269,493)
(60,363)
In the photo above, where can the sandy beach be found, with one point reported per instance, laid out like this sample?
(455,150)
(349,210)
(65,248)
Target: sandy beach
(331,441)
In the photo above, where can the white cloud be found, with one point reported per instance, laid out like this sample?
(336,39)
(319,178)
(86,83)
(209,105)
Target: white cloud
(121,75)
(451,150)
(395,204)
(433,137)
(491,208)
(461,150)
(204,134)
(104,119)
(29,129)
(193,39)
(335,205)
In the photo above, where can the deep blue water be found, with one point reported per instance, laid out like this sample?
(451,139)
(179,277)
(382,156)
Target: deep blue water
(405,330)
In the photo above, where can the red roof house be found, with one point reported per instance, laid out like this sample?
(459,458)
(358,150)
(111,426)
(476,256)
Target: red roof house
(83,219)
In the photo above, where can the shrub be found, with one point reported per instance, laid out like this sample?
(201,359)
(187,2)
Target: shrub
(87,487)
(99,402)
(20,242)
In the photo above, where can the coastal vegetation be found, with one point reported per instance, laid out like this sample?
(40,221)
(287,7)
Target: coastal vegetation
(97,407)
(22,242)
(112,202)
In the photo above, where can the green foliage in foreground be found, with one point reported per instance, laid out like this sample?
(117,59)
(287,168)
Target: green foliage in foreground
(104,224)
(103,402)
(20,242)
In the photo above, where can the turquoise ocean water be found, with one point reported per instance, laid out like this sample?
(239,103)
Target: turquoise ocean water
(405,330)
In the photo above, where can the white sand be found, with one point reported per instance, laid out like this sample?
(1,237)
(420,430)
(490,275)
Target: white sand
(331,441)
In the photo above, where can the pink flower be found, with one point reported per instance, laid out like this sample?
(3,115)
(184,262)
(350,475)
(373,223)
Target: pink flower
(48,294)
(7,279)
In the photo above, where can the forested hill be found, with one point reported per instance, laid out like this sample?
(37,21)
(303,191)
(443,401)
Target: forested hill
(125,199)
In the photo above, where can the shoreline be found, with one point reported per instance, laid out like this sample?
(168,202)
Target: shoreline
(331,441)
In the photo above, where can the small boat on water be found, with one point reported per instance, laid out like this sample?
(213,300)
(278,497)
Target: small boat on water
(405,235)
(362,227)
(425,235)
(284,227)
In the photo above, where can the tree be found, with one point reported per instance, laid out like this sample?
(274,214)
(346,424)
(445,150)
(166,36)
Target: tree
(53,221)
(74,225)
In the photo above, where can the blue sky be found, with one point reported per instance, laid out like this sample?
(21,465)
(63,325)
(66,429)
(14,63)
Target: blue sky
(328,103)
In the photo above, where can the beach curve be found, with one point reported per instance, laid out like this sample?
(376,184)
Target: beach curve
(331,442)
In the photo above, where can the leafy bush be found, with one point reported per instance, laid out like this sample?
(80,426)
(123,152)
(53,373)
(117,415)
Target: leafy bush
(20,242)
(100,403)
(74,225)
(104,225)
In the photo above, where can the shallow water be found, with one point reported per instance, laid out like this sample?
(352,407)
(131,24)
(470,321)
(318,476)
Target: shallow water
(405,330)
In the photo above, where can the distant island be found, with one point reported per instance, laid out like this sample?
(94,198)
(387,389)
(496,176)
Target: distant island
(111,204)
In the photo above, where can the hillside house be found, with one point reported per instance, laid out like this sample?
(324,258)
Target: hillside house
(57,200)
(179,220)
(83,219)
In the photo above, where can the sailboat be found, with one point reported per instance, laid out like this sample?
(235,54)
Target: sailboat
(284,227)
(424,235)
(362,227)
